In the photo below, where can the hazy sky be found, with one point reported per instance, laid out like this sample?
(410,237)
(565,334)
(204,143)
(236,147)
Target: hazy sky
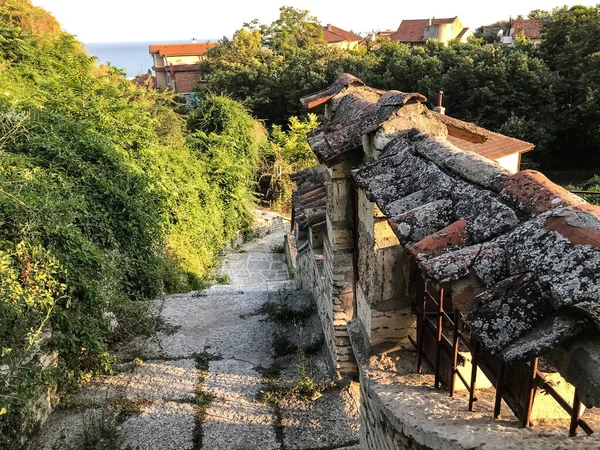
(149,20)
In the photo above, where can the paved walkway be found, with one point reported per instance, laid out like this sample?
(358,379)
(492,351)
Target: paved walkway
(194,385)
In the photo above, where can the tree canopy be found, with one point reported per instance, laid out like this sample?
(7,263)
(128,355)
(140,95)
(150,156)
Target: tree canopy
(547,95)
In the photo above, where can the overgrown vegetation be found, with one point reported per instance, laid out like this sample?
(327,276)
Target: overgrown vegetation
(99,431)
(281,311)
(285,153)
(546,95)
(287,319)
(290,319)
(591,185)
(99,428)
(108,196)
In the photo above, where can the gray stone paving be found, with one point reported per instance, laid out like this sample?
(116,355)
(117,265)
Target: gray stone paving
(223,321)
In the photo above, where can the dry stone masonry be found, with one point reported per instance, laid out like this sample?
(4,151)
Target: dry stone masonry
(408,201)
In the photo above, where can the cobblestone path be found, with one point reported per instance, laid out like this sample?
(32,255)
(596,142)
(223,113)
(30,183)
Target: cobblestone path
(194,385)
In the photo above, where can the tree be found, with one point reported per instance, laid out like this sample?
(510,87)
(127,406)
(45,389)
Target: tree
(294,30)
(539,14)
(572,40)
(269,67)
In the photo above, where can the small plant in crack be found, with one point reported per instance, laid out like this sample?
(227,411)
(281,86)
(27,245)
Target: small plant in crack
(282,345)
(204,358)
(223,279)
(127,407)
(100,431)
(202,398)
(280,310)
(277,248)
(165,327)
(272,390)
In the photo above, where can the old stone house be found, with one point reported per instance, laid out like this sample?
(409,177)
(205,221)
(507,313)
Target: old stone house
(439,268)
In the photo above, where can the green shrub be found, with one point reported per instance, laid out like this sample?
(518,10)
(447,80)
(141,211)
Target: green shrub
(104,201)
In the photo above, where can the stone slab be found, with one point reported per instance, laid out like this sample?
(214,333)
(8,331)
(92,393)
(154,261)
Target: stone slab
(161,426)
(328,422)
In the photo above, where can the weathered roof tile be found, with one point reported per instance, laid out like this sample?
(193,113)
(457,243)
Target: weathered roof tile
(508,311)
(420,222)
(533,247)
(453,236)
(531,192)
(341,82)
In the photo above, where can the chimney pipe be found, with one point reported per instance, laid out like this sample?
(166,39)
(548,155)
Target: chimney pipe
(439,108)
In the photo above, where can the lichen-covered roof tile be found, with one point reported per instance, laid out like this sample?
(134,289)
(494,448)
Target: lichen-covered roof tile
(554,331)
(508,311)
(571,272)
(450,266)
(531,192)
(486,216)
(453,236)
(491,264)
(422,221)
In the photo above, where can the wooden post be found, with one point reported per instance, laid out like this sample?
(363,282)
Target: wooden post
(438,348)
(531,395)
(454,352)
(421,330)
(499,389)
(474,362)
(576,414)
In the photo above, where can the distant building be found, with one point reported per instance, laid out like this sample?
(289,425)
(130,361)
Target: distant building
(531,29)
(380,34)
(340,38)
(177,65)
(418,31)
(147,80)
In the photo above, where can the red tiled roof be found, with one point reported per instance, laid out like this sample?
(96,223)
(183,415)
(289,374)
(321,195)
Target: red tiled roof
(334,34)
(491,145)
(181,49)
(531,28)
(412,30)
(146,80)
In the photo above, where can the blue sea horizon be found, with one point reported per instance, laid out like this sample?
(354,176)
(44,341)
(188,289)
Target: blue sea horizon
(134,57)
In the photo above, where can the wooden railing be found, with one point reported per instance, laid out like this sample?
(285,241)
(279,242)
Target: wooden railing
(442,332)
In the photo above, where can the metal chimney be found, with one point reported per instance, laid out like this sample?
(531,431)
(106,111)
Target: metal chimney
(439,108)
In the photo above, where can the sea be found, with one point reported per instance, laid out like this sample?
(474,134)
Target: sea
(134,57)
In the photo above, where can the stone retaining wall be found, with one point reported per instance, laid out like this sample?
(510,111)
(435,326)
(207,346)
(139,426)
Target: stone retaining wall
(376,433)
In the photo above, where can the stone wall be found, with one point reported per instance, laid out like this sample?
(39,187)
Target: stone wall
(376,432)
(386,286)
(338,265)
(400,410)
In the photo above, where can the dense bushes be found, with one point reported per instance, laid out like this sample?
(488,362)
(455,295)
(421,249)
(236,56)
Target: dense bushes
(105,199)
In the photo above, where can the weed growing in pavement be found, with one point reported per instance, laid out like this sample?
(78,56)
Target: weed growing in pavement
(277,248)
(101,428)
(202,398)
(280,311)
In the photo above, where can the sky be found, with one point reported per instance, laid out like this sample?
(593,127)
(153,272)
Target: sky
(150,20)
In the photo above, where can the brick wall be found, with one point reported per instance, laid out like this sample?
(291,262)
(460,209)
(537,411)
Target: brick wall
(186,81)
